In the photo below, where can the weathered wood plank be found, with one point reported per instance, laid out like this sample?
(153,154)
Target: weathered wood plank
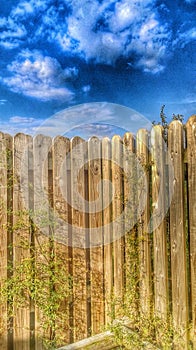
(103,341)
(118,222)
(130,212)
(21,234)
(177,233)
(143,221)
(9,151)
(60,151)
(41,148)
(106,340)
(107,228)
(159,197)
(95,234)
(191,159)
(79,240)
(3,235)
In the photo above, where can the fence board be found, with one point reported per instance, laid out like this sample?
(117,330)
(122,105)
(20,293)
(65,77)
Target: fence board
(79,251)
(41,148)
(129,164)
(96,234)
(9,150)
(130,211)
(60,150)
(21,234)
(177,232)
(143,222)
(107,228)
(3,236)
(161,293)
(191,156)
(117,218)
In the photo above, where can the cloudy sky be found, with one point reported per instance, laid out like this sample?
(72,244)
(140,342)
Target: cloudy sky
(57,54)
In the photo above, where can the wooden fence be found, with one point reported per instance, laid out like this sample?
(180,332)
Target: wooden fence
(143,226)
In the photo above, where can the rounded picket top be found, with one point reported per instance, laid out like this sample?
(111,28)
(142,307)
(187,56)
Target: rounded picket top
(191,121)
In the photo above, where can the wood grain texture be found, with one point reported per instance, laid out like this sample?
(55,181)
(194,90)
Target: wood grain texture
(159,197)
(21,233)
(191,159)
(60,167)
(41,148)
(107,227)
(81,315)
(143,220)
(177,232)
(130,221)
(95,234)
(3,235)
(118,221)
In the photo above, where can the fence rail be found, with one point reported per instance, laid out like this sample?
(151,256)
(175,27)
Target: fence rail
(100,211)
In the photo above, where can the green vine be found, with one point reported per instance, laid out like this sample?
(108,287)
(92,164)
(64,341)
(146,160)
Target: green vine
(40,278)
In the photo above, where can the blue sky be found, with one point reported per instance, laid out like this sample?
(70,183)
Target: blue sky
(57,54)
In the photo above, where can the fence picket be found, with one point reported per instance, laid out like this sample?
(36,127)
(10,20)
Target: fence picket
(60,150)
(79,238)
(95,234)
(130,211)
(159,223)
(143,221)
(177,233)
(21,233)
(107,228)
(191,156)
(4,227)
(41,148)
(117,221)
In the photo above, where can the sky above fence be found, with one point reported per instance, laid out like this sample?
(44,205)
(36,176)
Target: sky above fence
(60,54)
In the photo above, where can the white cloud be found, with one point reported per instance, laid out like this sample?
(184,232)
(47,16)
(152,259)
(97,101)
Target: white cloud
(17,124)
(23,8)
(22,120)
(105,32)
(98,31)
(96,118)
(68,121)
(188,99)
(186,37)
(26,8)
(86,88)
(42,77)
(11,33)
(3,102)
